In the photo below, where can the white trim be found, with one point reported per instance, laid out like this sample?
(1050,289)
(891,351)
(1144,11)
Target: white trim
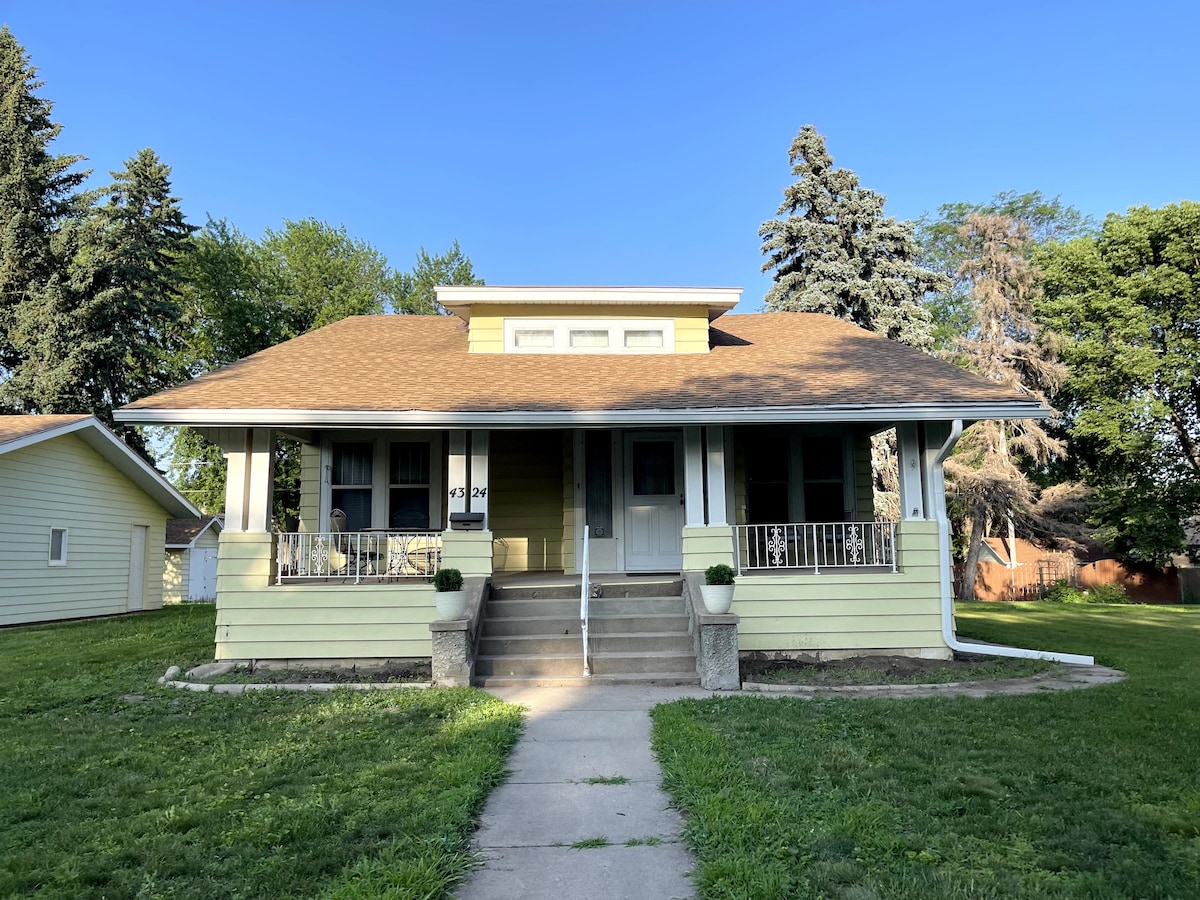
(743,415)
(119,454)
(61,559)
(693,478)
(562,327)
(459,299)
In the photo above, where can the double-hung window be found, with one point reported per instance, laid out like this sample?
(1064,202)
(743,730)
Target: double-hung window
(408,485)
(352,479)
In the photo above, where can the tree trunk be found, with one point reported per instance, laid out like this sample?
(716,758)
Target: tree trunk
(971,564)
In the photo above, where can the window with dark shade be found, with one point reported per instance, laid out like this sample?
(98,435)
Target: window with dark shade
(352,476)
(598,465)
(408,485)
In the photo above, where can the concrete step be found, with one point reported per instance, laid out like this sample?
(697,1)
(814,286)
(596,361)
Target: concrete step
(666,587)
(662,623)
(562,644)
(625,663)
(653,678)
(599,608)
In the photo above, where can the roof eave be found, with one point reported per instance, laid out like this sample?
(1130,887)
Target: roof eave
(865,413)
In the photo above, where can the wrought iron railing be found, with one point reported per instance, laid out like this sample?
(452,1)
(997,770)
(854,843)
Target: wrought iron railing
(357,556)
(816,546)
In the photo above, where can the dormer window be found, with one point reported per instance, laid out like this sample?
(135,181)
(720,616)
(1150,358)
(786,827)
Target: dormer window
(589,336)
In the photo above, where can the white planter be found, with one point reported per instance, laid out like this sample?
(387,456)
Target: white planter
(450,604)
(717,597)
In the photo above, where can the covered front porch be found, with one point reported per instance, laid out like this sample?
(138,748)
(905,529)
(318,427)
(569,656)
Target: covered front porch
(788,506)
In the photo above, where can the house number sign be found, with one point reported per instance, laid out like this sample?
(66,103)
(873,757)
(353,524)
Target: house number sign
(462,492)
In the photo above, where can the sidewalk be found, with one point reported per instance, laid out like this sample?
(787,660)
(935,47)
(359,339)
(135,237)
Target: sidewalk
(573,734)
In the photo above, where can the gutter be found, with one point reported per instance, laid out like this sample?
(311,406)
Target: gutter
(948,635)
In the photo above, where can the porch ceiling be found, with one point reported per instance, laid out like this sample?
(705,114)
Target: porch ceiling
(415,371)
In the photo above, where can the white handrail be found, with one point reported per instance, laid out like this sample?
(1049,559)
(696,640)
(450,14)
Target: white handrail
(583,602)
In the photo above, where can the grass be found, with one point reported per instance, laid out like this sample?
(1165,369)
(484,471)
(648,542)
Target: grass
(1092,793)
(591,844)
(114,787)
(607,779)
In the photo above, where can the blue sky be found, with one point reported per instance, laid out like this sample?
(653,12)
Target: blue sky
(616,142)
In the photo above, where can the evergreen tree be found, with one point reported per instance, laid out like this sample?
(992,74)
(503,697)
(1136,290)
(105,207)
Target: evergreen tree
(834,251)
(104,331)
(38,190)
(1007,347)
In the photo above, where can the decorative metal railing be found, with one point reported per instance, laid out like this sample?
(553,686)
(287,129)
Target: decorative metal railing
(816,546)
(357,556)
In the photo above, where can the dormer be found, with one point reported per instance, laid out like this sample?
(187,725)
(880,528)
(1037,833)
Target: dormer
(587,320)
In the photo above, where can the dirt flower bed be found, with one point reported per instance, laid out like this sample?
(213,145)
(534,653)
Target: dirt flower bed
(391,673)
(893,670)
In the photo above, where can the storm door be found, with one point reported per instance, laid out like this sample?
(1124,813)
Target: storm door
(653,502)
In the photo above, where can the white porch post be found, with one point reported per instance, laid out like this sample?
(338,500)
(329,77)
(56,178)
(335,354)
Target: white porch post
(908,446)
(457,488)
(693,467)
(716,475)
(249,452)
(479,475)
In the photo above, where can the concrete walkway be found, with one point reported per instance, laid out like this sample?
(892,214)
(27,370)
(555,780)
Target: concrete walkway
(573,734)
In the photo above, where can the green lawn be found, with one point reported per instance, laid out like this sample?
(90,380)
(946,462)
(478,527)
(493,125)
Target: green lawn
(1091,793)
(342,795)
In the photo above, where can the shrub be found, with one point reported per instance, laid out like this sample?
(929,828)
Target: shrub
(1063,592)
(447,580)
(718,574)
(1109,593)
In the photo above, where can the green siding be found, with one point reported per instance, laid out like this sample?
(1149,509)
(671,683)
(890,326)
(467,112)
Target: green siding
(707,546)
(864,490)
(310,487)
(869,611)
(63,482)
(259,620)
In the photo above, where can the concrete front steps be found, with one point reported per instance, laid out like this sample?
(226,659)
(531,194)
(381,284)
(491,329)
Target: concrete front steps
(638,634)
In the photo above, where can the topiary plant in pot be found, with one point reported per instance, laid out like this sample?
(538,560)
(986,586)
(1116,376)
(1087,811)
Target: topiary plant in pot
(718,588)
(449,596)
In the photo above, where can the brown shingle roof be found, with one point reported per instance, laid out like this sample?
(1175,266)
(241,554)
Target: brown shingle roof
(184,531)
(14,428)
(401,363)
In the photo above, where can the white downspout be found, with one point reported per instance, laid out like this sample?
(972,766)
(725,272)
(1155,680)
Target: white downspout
(939,505)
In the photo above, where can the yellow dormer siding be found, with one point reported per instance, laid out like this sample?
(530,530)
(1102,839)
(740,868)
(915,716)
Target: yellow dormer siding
(688,311)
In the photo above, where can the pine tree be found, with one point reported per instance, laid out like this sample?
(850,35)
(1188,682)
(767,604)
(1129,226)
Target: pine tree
(38,190)
(104,332)
(1007,347)
(835,252)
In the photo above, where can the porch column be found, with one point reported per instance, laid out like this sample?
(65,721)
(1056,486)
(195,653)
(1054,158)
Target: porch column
(250,456)
(479,476)
(457,488)
(716,475)
(908,445)
(693,468)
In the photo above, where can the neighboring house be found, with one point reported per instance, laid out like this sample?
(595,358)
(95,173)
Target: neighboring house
(1020,570)
(82,521)
(676,435)
(190,572)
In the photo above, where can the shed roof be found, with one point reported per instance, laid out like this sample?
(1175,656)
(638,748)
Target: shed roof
(182,533)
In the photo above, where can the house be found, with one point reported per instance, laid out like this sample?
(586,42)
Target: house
(647,425)
(82,521)
(190,570)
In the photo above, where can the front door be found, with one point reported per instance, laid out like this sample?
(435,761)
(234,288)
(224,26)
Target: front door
(138,545)
(653,502)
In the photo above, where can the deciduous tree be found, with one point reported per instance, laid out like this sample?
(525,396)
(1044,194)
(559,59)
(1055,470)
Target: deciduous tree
(1128,302)
(1006,346)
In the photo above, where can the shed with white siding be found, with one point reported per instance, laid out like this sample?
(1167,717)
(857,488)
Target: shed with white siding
(190,571)
(82,521)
